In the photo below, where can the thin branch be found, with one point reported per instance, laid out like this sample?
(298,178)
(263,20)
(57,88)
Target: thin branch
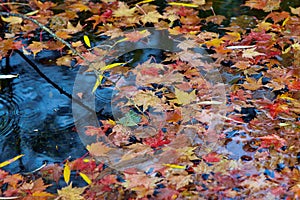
(75,52)
(62,91)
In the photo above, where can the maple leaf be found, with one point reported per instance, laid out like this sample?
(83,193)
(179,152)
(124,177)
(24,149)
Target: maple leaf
(295,11)
(211,157)
(136,35)
(145,99)
(265,5)
(53,171)
(180,180)
(63,34)
(272,141)
(71,193)
(252,83)
(151,17)
(217,19)
(65,60)
(214,42)
(35,189)
(13,180)
(232,36)
(187,44)
(72,29)
(157,140)
(174,116)
(141,183)
(81,164)
(78,7)
(123,10)
(250,53)
(98,149)
(277,108)
(185,98)
(12,20)
(36,47)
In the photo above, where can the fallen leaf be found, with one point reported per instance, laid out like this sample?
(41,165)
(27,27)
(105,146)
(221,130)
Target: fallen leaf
(98,149)
(250,53)
(71,193)
(185,98)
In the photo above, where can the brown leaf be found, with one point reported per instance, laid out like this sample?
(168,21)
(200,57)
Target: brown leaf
(98,149)
(36,47)
(71,193)
(65,60)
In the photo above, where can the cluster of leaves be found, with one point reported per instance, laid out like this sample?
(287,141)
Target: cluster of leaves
(262,108)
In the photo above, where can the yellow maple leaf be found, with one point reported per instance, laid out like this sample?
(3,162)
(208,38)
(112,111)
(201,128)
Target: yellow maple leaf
(70,193)
(295,11)
(12,20)
(250,53)
(36,47)
(185,98)
(123,10)
(252,83)
(151,17)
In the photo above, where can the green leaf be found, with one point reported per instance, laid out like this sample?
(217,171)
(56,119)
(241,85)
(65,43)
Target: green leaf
(130,119)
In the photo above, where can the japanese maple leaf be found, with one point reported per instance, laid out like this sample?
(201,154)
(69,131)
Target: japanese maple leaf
(36,47)
(272,140)
(71,193)
(265,5)
(252,83)
(157,140)
(211,157)
(53,171)
(277,108)
(251,53)
(136,35)
(123,10)
(98,149)
(83,165)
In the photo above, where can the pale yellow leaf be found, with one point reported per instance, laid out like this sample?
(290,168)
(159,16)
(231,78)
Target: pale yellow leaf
(184,97)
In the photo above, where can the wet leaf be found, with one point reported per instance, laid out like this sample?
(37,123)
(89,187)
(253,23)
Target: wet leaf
(87,40)
(131,118)
(85,178)
(98,149)
(71,193)
(185,98)
(3,164)
(67,172)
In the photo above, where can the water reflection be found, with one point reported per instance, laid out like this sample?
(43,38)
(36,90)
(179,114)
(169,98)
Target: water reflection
(35,119)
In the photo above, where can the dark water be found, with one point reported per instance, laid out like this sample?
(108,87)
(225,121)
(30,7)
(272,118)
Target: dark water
(35,119)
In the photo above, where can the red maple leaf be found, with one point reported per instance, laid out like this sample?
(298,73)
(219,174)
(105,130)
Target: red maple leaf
(212,157)
(157,140)
(277,108)
(272,140)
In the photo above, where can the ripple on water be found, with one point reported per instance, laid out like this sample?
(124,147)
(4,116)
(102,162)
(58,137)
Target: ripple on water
(8,115)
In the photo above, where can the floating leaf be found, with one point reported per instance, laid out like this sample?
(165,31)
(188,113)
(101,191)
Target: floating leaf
(12,20)
(183,4)
(87,40)
(3,164)
(175,166)
(85,178)
(67,172)
(131,118)
(184,97)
